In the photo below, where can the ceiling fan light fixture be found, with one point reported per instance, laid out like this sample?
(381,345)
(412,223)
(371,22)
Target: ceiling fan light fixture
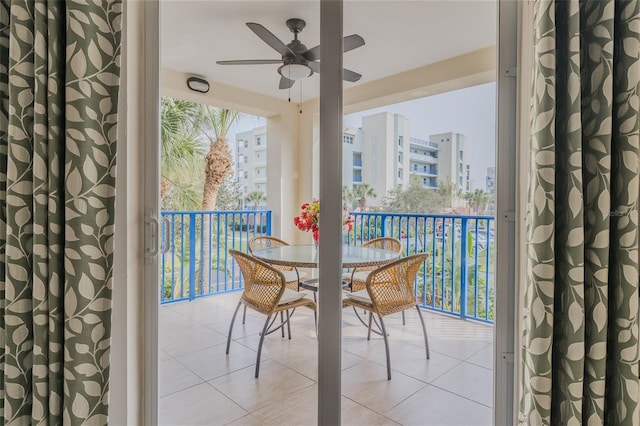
(198,84)
(295,71)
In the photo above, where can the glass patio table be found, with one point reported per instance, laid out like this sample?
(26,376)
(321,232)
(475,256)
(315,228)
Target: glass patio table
(306,256)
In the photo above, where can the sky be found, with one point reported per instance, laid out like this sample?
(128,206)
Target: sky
(470,111)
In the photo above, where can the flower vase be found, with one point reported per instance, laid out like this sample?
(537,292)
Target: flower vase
(315,245)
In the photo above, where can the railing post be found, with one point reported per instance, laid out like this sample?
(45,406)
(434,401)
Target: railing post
(192,256)
(463,266)
(383,225)
(269,222)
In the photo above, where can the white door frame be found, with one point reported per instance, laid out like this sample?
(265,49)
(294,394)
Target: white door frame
(329,363)
(151,149)
(506,179)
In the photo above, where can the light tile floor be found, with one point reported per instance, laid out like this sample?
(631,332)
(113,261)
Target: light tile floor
(200,385)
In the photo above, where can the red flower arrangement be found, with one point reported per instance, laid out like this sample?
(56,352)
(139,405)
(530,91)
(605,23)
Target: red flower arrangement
(309,220)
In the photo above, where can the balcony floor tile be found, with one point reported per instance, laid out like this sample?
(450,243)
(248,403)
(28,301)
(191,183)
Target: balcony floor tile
(199,384)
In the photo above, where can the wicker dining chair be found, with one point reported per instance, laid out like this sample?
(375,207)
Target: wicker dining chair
(389,290)
(358,277)
(265,292)
(291,274)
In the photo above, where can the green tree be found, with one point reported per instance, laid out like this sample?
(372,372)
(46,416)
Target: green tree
(181,155)
(214,123)
(348,199)
(448,191)
(478,200)
(415,199)
(218,165)
(361,191)
(229,195)
(255,198)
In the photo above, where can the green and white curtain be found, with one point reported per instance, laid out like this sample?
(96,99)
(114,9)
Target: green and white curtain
(580,341)
(59,81)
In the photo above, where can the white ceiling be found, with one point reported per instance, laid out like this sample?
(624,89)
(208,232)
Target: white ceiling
(399,36)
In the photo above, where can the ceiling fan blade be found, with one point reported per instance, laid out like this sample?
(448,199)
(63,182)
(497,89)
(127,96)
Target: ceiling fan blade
(250,62)
(268,37)
(352,42)
(347,74)
(285,83)
(315,66)
(351,76)
(348,43)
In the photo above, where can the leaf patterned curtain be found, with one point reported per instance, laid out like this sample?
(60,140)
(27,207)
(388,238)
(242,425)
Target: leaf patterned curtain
(59,81)
(580,342)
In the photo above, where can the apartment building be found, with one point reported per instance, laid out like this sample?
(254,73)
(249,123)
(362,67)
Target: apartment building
(381,153)
(423,161)
(385,153)
(452,161)
(251,161)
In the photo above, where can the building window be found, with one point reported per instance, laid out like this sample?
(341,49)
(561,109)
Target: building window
(246,144)
(246,175)
(424,181)
(399,174)
(246,159)
(415,167)
(347,139)
(400,138)
(258,141)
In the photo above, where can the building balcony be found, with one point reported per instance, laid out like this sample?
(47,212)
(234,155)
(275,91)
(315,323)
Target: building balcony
(427,173)
(423,158)
(424,143)
(198,382)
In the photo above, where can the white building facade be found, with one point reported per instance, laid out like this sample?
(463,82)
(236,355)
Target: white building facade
(452,161)
(381,153)
(251,161)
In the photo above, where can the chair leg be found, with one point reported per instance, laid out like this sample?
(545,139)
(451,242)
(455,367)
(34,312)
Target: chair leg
(231,326)
(264,333)
(282,324)
(288,325)
(386,346)
(244,314)
(369,327)
(424,331)
(404,321)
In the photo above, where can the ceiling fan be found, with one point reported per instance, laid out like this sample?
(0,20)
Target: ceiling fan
(297,61)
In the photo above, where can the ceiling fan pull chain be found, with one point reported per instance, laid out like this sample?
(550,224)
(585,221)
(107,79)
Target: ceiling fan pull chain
(300,105)
(289,85)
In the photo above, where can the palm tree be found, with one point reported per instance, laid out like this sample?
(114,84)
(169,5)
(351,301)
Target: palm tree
(255,197)
(218,165)
(478,200)
(361,191)
(348,199)
(215,124)
(181,154)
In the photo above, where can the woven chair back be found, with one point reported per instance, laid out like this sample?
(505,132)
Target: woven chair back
(263,284)
(263,242)
(391,286)
(384,243)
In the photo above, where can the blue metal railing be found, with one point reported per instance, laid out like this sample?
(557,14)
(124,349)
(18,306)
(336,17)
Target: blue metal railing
(458,278)
(197,262)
